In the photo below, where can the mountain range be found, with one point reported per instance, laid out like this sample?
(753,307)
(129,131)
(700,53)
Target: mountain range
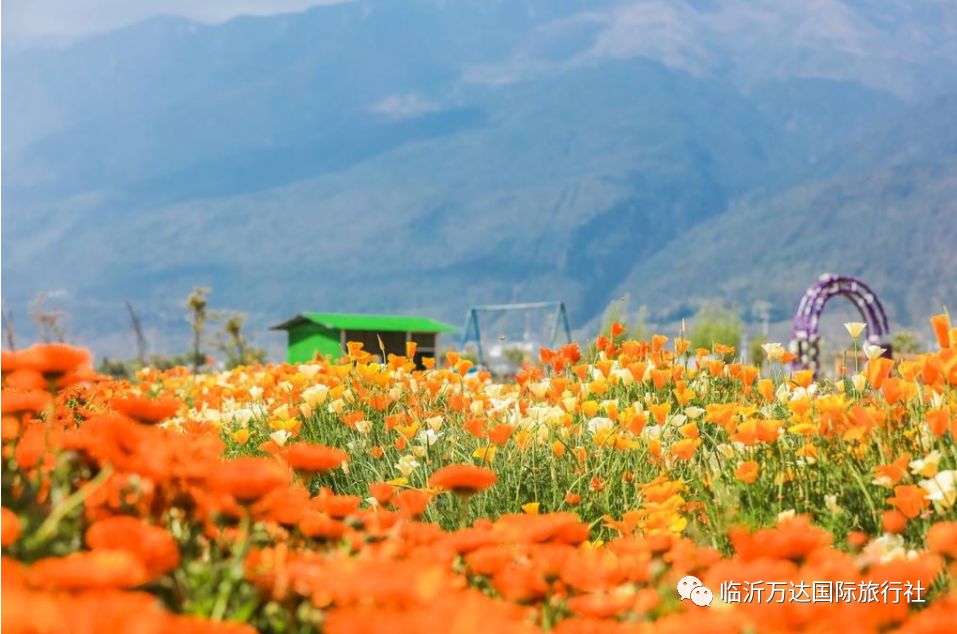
(422,156)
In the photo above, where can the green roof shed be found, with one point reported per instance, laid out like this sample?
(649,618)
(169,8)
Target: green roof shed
(326,334)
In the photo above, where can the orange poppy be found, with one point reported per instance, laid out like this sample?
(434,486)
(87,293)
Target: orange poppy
(99,569)
(941,325)
(909,499)
(747,472)
(248,479)
(312,458)
(411,502)
(463,479)
(9,527)
(942,539)
(153,546)
(19,402)
(54,358)
(146,410)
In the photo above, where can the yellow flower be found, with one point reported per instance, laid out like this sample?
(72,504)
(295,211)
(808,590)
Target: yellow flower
(926,466)
(531,508)
(485,454)
(283,424)
(241,436)
(855,328)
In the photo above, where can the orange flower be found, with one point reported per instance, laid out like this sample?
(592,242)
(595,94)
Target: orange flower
(500,434)
(893,521)
(21,401)
(941,325)
(99,569)
(942,538)
(572,499)
(684,449)
(153,546)
(909,499)
(463,479)
(803,378)
(320,526)
(411,502)
(381,491)
(248,479)
(54,358)
(9,527)
(877,370)
(146,410)
(312,458)
(747,472)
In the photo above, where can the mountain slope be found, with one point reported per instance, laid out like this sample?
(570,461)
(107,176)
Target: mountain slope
(889,215)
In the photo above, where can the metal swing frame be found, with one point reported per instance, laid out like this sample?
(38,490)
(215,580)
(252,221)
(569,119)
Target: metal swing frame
(472,331)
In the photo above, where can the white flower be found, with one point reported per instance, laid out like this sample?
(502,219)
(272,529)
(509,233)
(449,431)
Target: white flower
(539,388)
(926,466)
(623,375)
(280,437)
(600,424)
(941,489)
(363,426)
(651,432)
(315,395)
(782,393)
(786,515)
(887,547)
(872,351)
(241,416)
(830,502)
(855,328)
(859,381)
(309,370)
(693,412)
(337,406)
(256,393)
(428,437)
(726,450)
(773,350)
(406,465)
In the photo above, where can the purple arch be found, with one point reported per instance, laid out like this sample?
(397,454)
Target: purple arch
(804,330)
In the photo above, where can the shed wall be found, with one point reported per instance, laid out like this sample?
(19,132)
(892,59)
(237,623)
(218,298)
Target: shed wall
(305,340)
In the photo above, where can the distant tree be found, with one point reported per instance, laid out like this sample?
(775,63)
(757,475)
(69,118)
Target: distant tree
(8,332)
(514,355)
(49,323)
(756,353)
(141,347)
(116,368)
(198,315)
(906,342)
(615,311)
(233,343)
(715,323)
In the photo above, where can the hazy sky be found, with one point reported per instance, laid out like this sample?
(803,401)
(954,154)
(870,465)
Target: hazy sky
(72,18)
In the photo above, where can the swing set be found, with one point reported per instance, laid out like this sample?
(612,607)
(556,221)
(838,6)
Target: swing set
(555,325)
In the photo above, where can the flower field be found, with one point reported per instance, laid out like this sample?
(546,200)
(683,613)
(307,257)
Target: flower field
(357,496)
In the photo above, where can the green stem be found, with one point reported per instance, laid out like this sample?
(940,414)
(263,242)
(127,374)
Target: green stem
(234,572)
(48,528)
